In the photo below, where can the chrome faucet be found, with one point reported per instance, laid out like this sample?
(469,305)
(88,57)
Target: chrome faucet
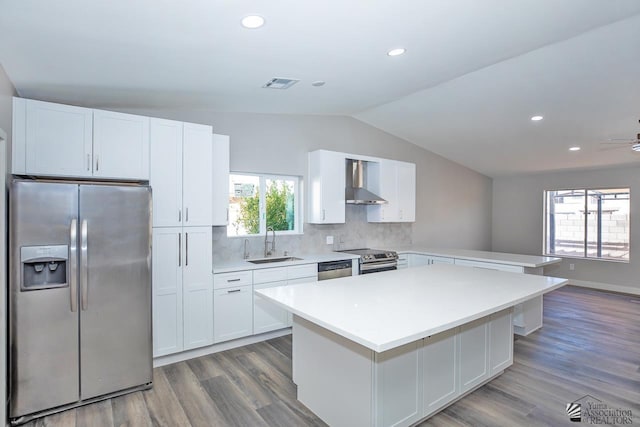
(246,250)
(268,252)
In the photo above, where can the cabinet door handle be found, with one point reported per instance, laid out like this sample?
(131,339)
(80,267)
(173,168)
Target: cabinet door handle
(88,162)
(179,250)
(186,249)
(227,214)
(323,214)
(179,215)
(233,280)
(186,215)
(97,163)
(233,291)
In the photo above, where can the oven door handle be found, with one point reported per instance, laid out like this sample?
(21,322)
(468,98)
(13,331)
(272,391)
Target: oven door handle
(373,266)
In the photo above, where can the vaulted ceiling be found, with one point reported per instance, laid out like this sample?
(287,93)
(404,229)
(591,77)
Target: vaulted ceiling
(473,74)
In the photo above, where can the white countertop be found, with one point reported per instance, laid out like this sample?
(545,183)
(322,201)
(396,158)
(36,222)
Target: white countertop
(385,310)
(483,256)
(242,265)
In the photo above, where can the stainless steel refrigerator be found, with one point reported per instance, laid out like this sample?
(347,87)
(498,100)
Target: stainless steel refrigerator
(80,294)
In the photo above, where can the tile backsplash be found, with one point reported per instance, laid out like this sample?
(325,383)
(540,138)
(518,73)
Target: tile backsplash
(355,233)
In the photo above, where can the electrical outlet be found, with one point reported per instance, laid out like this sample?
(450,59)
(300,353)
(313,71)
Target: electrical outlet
(572,267)
(329,240)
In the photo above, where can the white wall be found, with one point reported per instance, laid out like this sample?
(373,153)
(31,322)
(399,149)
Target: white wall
(453,202)
(518,222)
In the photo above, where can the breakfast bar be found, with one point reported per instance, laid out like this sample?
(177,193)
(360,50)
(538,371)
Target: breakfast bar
(395,347)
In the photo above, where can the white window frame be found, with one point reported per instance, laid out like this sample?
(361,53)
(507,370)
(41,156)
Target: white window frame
(297,208)
(585,256)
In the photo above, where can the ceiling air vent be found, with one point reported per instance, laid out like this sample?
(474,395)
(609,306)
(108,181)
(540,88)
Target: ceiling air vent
(280,83)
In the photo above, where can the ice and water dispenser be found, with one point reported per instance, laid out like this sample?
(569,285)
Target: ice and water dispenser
(44,267)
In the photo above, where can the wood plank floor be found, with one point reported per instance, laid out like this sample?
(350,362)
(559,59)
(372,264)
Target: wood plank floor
(590,345)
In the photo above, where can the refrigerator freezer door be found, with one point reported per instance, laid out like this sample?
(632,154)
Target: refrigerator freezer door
(115,313)
(43,326)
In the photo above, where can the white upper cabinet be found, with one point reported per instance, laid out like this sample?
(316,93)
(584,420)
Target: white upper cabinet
(120,145)
(220,198)
(395,182)
(181,173)
(327,172)
(66,141)
(197,174)
(406,173)
(51,139)
(166,172)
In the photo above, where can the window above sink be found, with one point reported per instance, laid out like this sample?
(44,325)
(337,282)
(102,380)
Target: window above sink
(258,201)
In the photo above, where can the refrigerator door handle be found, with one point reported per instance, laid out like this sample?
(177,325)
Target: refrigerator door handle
(84,271)
(186,249)
(179,249)
(73,264)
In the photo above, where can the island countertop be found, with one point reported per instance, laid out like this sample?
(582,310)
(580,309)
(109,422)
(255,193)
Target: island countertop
(533,261)
(385,310)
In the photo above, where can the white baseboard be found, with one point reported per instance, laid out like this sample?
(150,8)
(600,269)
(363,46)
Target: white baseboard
(605,286)
(215,348)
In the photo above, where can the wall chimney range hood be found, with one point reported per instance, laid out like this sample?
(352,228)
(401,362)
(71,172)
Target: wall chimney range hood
(355,193)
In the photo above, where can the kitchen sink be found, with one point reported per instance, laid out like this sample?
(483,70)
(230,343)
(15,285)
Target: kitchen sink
(275,259)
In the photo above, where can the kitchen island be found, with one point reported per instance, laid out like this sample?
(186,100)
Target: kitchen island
(395,347)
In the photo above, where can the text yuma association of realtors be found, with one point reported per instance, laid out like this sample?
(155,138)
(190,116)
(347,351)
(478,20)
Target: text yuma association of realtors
(600,413)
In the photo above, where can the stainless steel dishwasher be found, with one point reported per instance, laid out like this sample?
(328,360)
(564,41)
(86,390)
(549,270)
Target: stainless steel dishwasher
(334,269)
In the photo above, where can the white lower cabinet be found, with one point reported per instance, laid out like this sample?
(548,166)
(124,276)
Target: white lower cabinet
(266,315)
(501,341)
(473,340)
(232,305)
(307,273)
(418,260)
(182,289)
(232,313)
(440,260)
(197,285)
(486,348)
(167,291)
(440,363)
(399,385)
(403,261)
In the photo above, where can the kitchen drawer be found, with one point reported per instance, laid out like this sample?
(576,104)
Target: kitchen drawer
(299,271)
(236,278)
(269,275)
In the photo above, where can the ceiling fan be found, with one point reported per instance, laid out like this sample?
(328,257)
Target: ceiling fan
(633,143)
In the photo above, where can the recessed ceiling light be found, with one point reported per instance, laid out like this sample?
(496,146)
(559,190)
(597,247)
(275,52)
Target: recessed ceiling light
(252,21)
(576,148)
(536,118)
(318,83)
(396,52)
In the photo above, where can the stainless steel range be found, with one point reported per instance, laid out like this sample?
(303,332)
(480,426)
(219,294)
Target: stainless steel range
(375,260)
